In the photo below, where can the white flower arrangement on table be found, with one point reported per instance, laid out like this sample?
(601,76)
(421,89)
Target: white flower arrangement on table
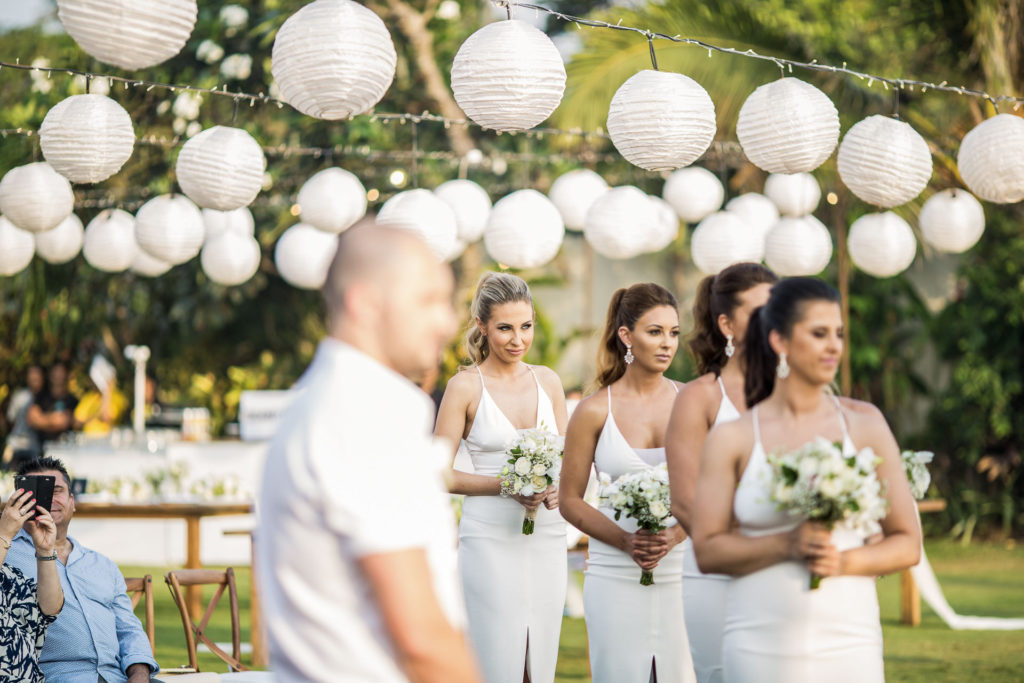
(171,483)
(642,495)
(915,463)
(534,464)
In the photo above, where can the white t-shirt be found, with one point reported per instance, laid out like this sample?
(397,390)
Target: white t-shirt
(352,471)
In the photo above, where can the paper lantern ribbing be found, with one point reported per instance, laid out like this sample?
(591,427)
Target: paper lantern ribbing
(131,34)
(722,239)
(16,248)
(35,197)
(170,227)
(87,138)
(952,221)
(574,193)
(303,255)
(694,193)
(621,223)
(798,246)
(991,159)
(333,59)
(61,244)
(882,244)
(666,229)
(883,161)
(525,230)
(217,222)
(221,168)
(508,76)
(472,207)
(332,200)
(148,266)
(795,194)
(788,126)
(420,211)
(230,258)
(109,243)
(659,120)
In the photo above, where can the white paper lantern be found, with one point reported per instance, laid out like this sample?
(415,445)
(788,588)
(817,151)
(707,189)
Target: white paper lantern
(881,244)
(332,200)
(35,197)
(622,223)
(525,230)
(574,193)
(667,227)
(221,168)
(952,221)
(508,76)
(694,193)
(756,210)
(795,194)
(722,239)
(239,221)
(798,246)
(16,248)
(61,244)
(421,211)
(87,138)
(660,120)
(472,207)
(991,159)
(883,161)
(788,126)
(230,258)
(303,255)
(131,34)
(147,265)
(333,59)
(109,243)
(170,227)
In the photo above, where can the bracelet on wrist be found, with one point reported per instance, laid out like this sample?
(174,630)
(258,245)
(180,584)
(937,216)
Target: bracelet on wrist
(6,543)
(52,556)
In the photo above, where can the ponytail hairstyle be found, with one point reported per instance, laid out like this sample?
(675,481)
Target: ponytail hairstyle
(492,290)
(627,306)
(718,295)
(784,309)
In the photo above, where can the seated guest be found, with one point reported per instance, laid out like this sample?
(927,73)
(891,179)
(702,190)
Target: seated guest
(54,412)
(98,637)
(23,442)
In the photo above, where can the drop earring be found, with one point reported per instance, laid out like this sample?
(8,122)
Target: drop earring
(730,348)
(783,369)
(629,357)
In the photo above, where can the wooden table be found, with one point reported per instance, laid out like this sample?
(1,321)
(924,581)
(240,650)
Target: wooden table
(910,597)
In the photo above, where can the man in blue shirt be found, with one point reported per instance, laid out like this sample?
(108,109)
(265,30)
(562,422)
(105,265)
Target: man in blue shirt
(97,637)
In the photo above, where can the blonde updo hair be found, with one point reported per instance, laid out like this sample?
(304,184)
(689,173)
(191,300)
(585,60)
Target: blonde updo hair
(493,290)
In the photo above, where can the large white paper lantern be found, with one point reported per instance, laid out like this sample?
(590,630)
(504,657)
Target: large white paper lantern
(303,255)
(230,258)
(883,161)
(148,266)
(666,229)
(795,194)
(221,168)
(61,244)
(332,200)
(660,120)
(622,223)
(574,193)
(333,59)
(16,248)
(109,243)
(756,210)
(87,138)
(170,227)
(131,34)
(217,222)
(788,126)
(798,246)
(525,230)
(991,159)
(35,197)
(422,212)
(952,221)
(472,207)
(722,239)
(508,76)
(694,193)
(881,244)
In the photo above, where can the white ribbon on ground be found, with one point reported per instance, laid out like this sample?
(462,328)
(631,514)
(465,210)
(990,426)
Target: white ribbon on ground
(931,592)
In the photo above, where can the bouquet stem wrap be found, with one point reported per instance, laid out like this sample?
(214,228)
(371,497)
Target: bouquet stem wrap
(529,521)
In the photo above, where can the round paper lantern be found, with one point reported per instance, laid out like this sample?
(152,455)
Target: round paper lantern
(221,168)
(148,266)
(621,223)
(883,161)
(170,227)
(694,193)
(131,34)
(332,200)
(333,59)
(61,244)
(230,258)
(952,221)
(35,197)
(420,211)
(667,227)
(525,230)
(795,194)
(881,244)
(303,255)
(472,207)
(798,246)
(660,120)
(756,210)
(991,159)
(217,222)
(722,239)
(574,193)
(508,76)
(788,126)
(109,243)
(16,248)
(87,138)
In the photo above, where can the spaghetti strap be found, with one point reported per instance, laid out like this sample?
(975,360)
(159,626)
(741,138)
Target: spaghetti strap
(673,385)
(757,428)
(842,419)
(609,390)
(721,385)
(482,386)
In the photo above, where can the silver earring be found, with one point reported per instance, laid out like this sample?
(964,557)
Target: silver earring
(783,370)
(629,357)
(730,348)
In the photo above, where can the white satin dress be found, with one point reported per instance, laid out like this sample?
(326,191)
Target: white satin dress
(779,631)
(514,584)
(704,594)
(630,626)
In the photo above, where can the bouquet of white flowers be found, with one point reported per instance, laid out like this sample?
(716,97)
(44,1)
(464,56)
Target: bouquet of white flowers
(534,463)
(916,465)
(642,495)
(818,482)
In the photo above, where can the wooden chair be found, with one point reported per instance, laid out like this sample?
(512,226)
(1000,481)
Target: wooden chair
(207,577)
(141,590)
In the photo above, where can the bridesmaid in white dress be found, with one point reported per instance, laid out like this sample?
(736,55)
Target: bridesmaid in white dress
(514,584)
(636,633)
(721,310)
(776,629)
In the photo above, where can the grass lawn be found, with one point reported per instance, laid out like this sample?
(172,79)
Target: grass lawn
(980,579)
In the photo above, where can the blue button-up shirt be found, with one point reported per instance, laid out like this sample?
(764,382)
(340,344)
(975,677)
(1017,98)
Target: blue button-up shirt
(96,632)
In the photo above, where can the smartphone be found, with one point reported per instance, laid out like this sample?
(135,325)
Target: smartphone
(40,485)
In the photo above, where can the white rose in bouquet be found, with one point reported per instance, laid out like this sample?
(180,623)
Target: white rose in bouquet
(535,456)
